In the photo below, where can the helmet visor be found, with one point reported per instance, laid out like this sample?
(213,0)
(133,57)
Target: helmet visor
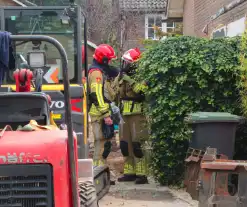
(128,67)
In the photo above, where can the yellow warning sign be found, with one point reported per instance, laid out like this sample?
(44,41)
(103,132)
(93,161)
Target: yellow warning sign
(56,116)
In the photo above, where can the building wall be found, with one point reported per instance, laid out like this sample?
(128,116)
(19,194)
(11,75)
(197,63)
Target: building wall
(7,3)
(188,26)
(204,9)
(135,31)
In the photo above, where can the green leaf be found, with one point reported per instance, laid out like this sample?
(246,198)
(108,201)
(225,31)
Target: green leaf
(188,74)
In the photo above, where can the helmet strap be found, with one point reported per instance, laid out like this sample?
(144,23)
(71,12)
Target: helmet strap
(105,60)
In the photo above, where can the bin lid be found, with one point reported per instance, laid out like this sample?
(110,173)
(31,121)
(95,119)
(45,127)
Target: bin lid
(200,117)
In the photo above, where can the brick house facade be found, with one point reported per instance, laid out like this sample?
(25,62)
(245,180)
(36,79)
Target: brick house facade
(135,20)
(203,17)
(188,18)
(139,17)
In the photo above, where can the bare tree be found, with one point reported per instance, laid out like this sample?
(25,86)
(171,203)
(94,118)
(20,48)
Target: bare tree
(101,20)
(107,23)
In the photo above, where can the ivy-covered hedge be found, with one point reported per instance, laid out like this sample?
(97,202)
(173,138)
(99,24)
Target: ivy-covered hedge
(186,74)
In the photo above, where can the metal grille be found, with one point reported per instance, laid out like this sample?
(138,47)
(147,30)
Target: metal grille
(26,185)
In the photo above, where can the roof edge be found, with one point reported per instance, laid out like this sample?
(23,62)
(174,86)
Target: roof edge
(126,6)
(143,10)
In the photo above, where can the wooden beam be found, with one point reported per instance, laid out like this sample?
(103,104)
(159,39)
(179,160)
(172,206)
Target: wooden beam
(175,10)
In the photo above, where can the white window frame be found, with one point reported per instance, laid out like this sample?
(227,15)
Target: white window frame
(163,27)
(220,29)
(147,16)
(173,27)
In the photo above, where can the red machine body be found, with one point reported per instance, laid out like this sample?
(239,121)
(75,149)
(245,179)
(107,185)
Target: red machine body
(23,81)
(41,147)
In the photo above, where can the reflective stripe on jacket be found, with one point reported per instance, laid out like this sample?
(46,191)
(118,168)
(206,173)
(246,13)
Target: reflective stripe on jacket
(99,106)
(131,96)
(131,107)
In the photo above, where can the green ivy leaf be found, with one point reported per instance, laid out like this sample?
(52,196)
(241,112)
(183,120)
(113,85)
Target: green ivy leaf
(188,74)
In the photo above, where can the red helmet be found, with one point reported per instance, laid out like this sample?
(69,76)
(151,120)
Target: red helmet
(132,55)
(104,53)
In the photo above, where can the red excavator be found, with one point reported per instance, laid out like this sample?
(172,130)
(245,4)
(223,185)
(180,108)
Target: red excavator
(43,71)
(38,161)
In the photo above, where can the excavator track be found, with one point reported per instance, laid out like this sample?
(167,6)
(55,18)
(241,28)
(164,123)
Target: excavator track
(102,181)
(87,194)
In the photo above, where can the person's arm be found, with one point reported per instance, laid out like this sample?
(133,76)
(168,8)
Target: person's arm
(96,93)
(137,87)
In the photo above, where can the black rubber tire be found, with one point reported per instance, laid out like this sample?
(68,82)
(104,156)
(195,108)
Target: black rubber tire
(87,194)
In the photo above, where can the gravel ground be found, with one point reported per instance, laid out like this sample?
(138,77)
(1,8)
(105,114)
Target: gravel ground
(151,195)
(130,195)
(109,201)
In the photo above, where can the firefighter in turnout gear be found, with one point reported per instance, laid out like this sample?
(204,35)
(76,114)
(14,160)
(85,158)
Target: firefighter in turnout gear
(101,95)
(133,130)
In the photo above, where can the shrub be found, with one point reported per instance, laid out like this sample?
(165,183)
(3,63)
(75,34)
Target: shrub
(186,74)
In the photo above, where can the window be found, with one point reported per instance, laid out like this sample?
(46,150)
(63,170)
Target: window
(219,33)
(170,26)
(152,20)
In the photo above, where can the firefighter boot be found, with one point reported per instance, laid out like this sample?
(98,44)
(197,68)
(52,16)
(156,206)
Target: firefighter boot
(141,177)
(129,172)
(127,178)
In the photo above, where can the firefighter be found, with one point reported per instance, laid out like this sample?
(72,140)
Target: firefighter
(133,129)
(101,95)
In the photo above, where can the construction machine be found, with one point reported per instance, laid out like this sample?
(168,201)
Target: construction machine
(63,24)
(40,167)
(42,56)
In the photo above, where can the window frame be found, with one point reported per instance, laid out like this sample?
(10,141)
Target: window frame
(163,26)
(173,27)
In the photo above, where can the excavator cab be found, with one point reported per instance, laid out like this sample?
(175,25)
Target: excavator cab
(39,166)
(62,23)
(65,24)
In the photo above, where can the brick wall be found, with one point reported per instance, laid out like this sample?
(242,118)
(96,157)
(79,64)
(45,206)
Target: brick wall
(203,9)
(188,26)
(135,31)
(8,3)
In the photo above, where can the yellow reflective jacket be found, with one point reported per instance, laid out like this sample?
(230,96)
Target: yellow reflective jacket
(131,97)
(101,95)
